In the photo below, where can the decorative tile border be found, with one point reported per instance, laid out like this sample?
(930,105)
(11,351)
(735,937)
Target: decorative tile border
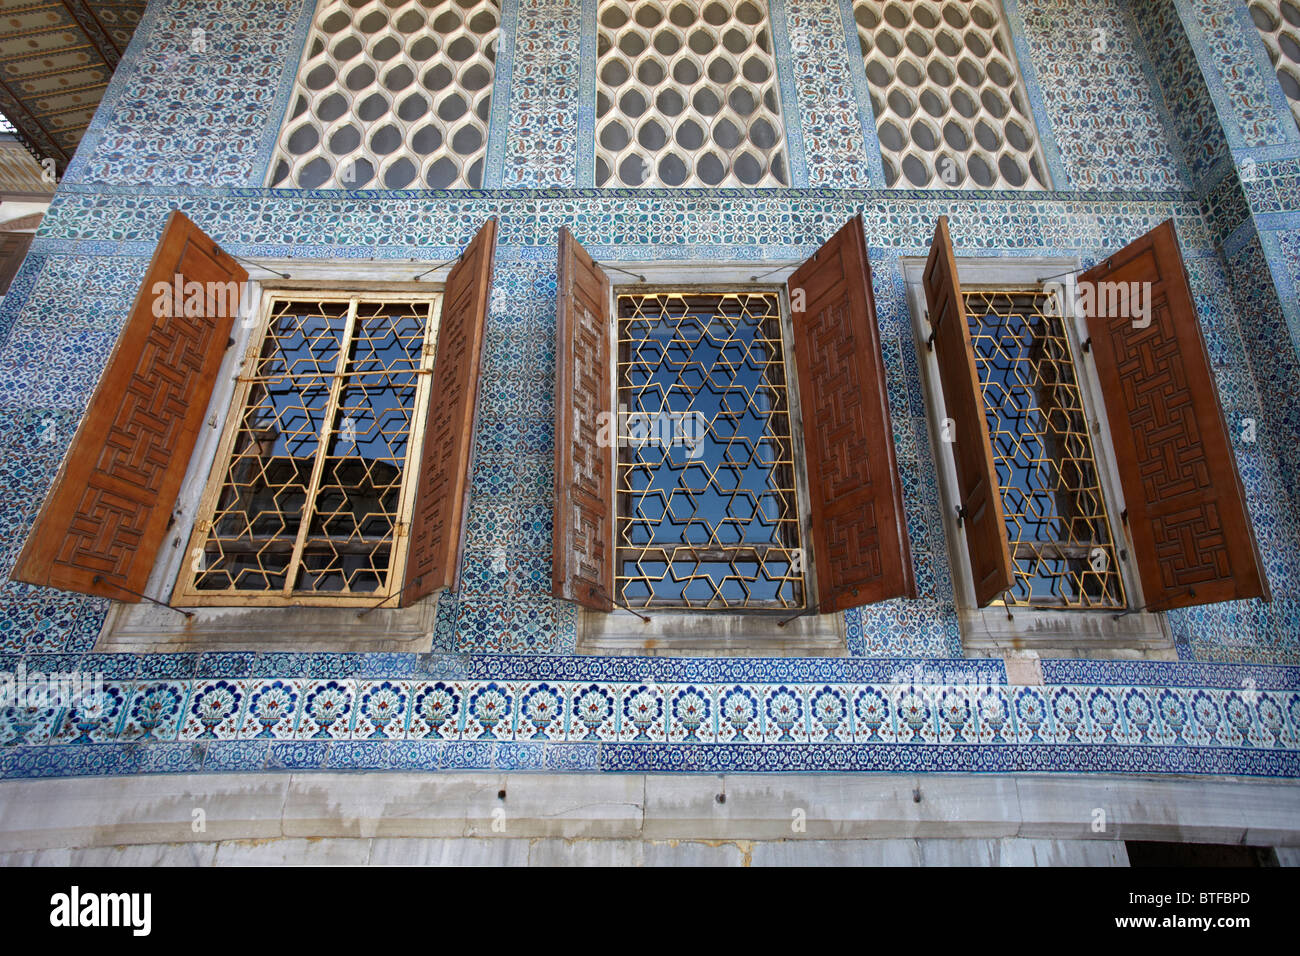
(649,726)
(530,706)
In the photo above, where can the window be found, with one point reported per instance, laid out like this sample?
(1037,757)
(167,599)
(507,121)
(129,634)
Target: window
(951,110)
(391,95)
(648,526)
(311,489)
(687,95)
(708,514)
(342,474)
(1278,22)
(1083,457)
(1058,528)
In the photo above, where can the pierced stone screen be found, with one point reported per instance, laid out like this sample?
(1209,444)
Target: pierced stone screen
(1278,22)
(951,110)
(687,95)
(391,95)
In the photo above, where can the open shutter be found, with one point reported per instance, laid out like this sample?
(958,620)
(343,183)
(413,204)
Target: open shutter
(582,548)
(978,493)
(859,530)
(110,505)
(442,495)
(1192,535)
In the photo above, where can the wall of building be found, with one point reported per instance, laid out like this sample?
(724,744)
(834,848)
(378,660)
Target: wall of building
(1162,125)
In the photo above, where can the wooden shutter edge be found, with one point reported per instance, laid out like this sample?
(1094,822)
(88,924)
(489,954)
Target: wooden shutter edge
(882,387)
(562,532)
(415,588)
(471,443)
(941,252)
(35,565)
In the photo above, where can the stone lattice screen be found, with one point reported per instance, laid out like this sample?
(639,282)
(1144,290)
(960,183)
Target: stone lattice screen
(951,110)
(687,95)
(391,94)
(1278,22)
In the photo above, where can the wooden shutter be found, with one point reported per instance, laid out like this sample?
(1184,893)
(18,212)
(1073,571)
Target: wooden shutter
(859,530)
(442,495)
(1192,535)
(13,250)
(111,502)
(979,496)
(582,544)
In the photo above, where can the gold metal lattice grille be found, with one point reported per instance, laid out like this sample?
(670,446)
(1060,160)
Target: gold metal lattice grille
(1061,544)
(308,500)
(707,514)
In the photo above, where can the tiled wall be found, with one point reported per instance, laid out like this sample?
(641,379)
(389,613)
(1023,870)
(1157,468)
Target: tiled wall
(1130,141)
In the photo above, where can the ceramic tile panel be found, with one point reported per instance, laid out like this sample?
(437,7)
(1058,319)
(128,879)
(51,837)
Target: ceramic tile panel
(504,687)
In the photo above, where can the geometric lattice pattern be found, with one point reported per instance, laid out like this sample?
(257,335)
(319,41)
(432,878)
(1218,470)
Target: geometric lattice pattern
(951,110)
(687,95)
(308,492)
(1278,22)
(709,519)
(391,95)
(1062,550)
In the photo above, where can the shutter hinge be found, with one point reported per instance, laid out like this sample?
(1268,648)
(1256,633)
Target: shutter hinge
(403,528)
(1123,516)
(1087,344)
(229,342)
(961,515)
(203,527)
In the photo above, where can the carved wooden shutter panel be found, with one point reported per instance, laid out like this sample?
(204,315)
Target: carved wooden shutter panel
(859,530)
(1187,514)
(442,496)
(582,549)
(978,492)
(109,508)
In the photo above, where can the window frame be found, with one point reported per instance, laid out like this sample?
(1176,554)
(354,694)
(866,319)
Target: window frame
(146,627)
(183,593)
(725,632)
(1073,632)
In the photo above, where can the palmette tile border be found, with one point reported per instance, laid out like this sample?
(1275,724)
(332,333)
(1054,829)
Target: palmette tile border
(255,723)
(129,173)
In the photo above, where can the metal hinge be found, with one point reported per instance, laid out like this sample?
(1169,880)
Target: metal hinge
(203,527)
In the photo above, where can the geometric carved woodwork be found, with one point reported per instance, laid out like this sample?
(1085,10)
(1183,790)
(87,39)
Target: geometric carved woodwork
(979,495)
(442,499)
(109,508)
(582,549)
(859,528)
(1192,535)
